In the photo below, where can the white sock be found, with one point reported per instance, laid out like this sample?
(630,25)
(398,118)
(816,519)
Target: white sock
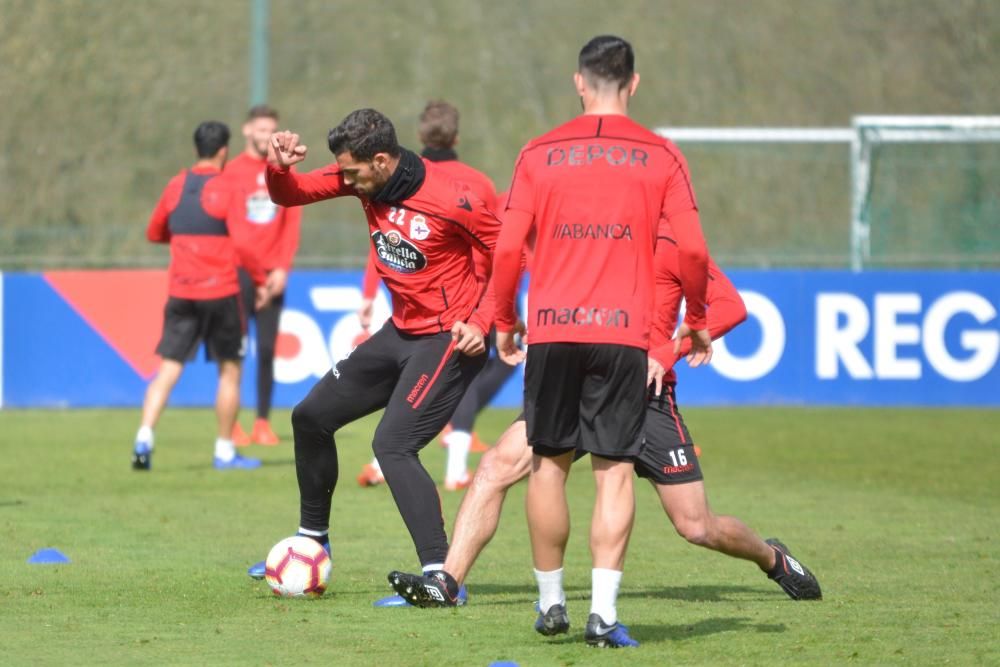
(458,443)
(313,533)
(431,567)
(377,467)
(550,589)
(144,434)
(604,593)
(224,449)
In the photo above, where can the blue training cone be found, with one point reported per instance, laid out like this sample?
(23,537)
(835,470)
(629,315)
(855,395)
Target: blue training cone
(48,556)
(391,601)
(503,663)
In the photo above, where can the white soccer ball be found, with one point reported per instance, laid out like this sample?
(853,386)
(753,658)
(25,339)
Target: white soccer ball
(298,567)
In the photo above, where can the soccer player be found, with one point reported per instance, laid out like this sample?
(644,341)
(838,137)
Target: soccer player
(271,234)
(438,132)
(419,364)
(195,215)
(667,459)
(592,192)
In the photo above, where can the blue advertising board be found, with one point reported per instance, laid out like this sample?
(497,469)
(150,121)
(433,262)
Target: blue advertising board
(878,338)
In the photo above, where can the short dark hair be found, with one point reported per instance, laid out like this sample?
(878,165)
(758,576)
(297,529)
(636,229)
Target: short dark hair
(364,133)
(439,125)
(262,111)
(210,137)
(607,59)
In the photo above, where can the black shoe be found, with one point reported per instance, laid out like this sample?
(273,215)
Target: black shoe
(436,589)
(601,635)
(793,577)
(553,622)
(142,456)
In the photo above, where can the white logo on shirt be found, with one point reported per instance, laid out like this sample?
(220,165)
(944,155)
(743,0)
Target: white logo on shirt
(418,228)
(260,209)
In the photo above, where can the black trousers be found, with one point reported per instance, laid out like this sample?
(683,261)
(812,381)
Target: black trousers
(267,320)
(480,393)
(419,380)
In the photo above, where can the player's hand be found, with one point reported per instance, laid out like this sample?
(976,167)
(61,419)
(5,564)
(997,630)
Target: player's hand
(701,345)
(277,280)
(654,374)
(262,297)
(365,312)
(507,348)
(469,339)
(284,149)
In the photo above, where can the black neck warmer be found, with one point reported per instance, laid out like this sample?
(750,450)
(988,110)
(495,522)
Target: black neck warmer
(439,154)
(405,181)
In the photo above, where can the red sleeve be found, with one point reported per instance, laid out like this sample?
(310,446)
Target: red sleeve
(507,265)
(231,195)
(485,230)
(520,196)
(680,209)
(158,231)
(667,301)
(369,284)
(693,258)
(290,231)
(726,310)
(288,187)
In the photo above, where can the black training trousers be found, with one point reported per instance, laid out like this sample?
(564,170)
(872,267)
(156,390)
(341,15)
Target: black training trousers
(418,380)
(483,389)
(267,320)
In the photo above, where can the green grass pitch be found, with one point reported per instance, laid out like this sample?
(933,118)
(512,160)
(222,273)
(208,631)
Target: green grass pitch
(896,511)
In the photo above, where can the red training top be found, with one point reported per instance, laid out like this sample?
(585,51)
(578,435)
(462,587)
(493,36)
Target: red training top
(270,232)
(196,224)
(468,179)
(593,191)
(423,244)
(725,307)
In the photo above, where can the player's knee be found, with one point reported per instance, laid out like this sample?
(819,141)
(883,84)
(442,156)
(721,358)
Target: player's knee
(694,530)
(307,416)
(390,450)
(503,469)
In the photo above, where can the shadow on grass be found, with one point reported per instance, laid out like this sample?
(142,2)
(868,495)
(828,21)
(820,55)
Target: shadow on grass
(528,593)
(702,593)
(278,462)
(708,626)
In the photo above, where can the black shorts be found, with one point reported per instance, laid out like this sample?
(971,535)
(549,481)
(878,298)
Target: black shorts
(587,396)
(219,322)
(667,455)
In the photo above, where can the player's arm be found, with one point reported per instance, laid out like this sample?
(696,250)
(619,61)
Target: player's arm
(287,187)
(288,245)
(680,210)
(507,266)
(483,228)
(239,234)
(291,231)
(369,287)
(158,229)
(725,312)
